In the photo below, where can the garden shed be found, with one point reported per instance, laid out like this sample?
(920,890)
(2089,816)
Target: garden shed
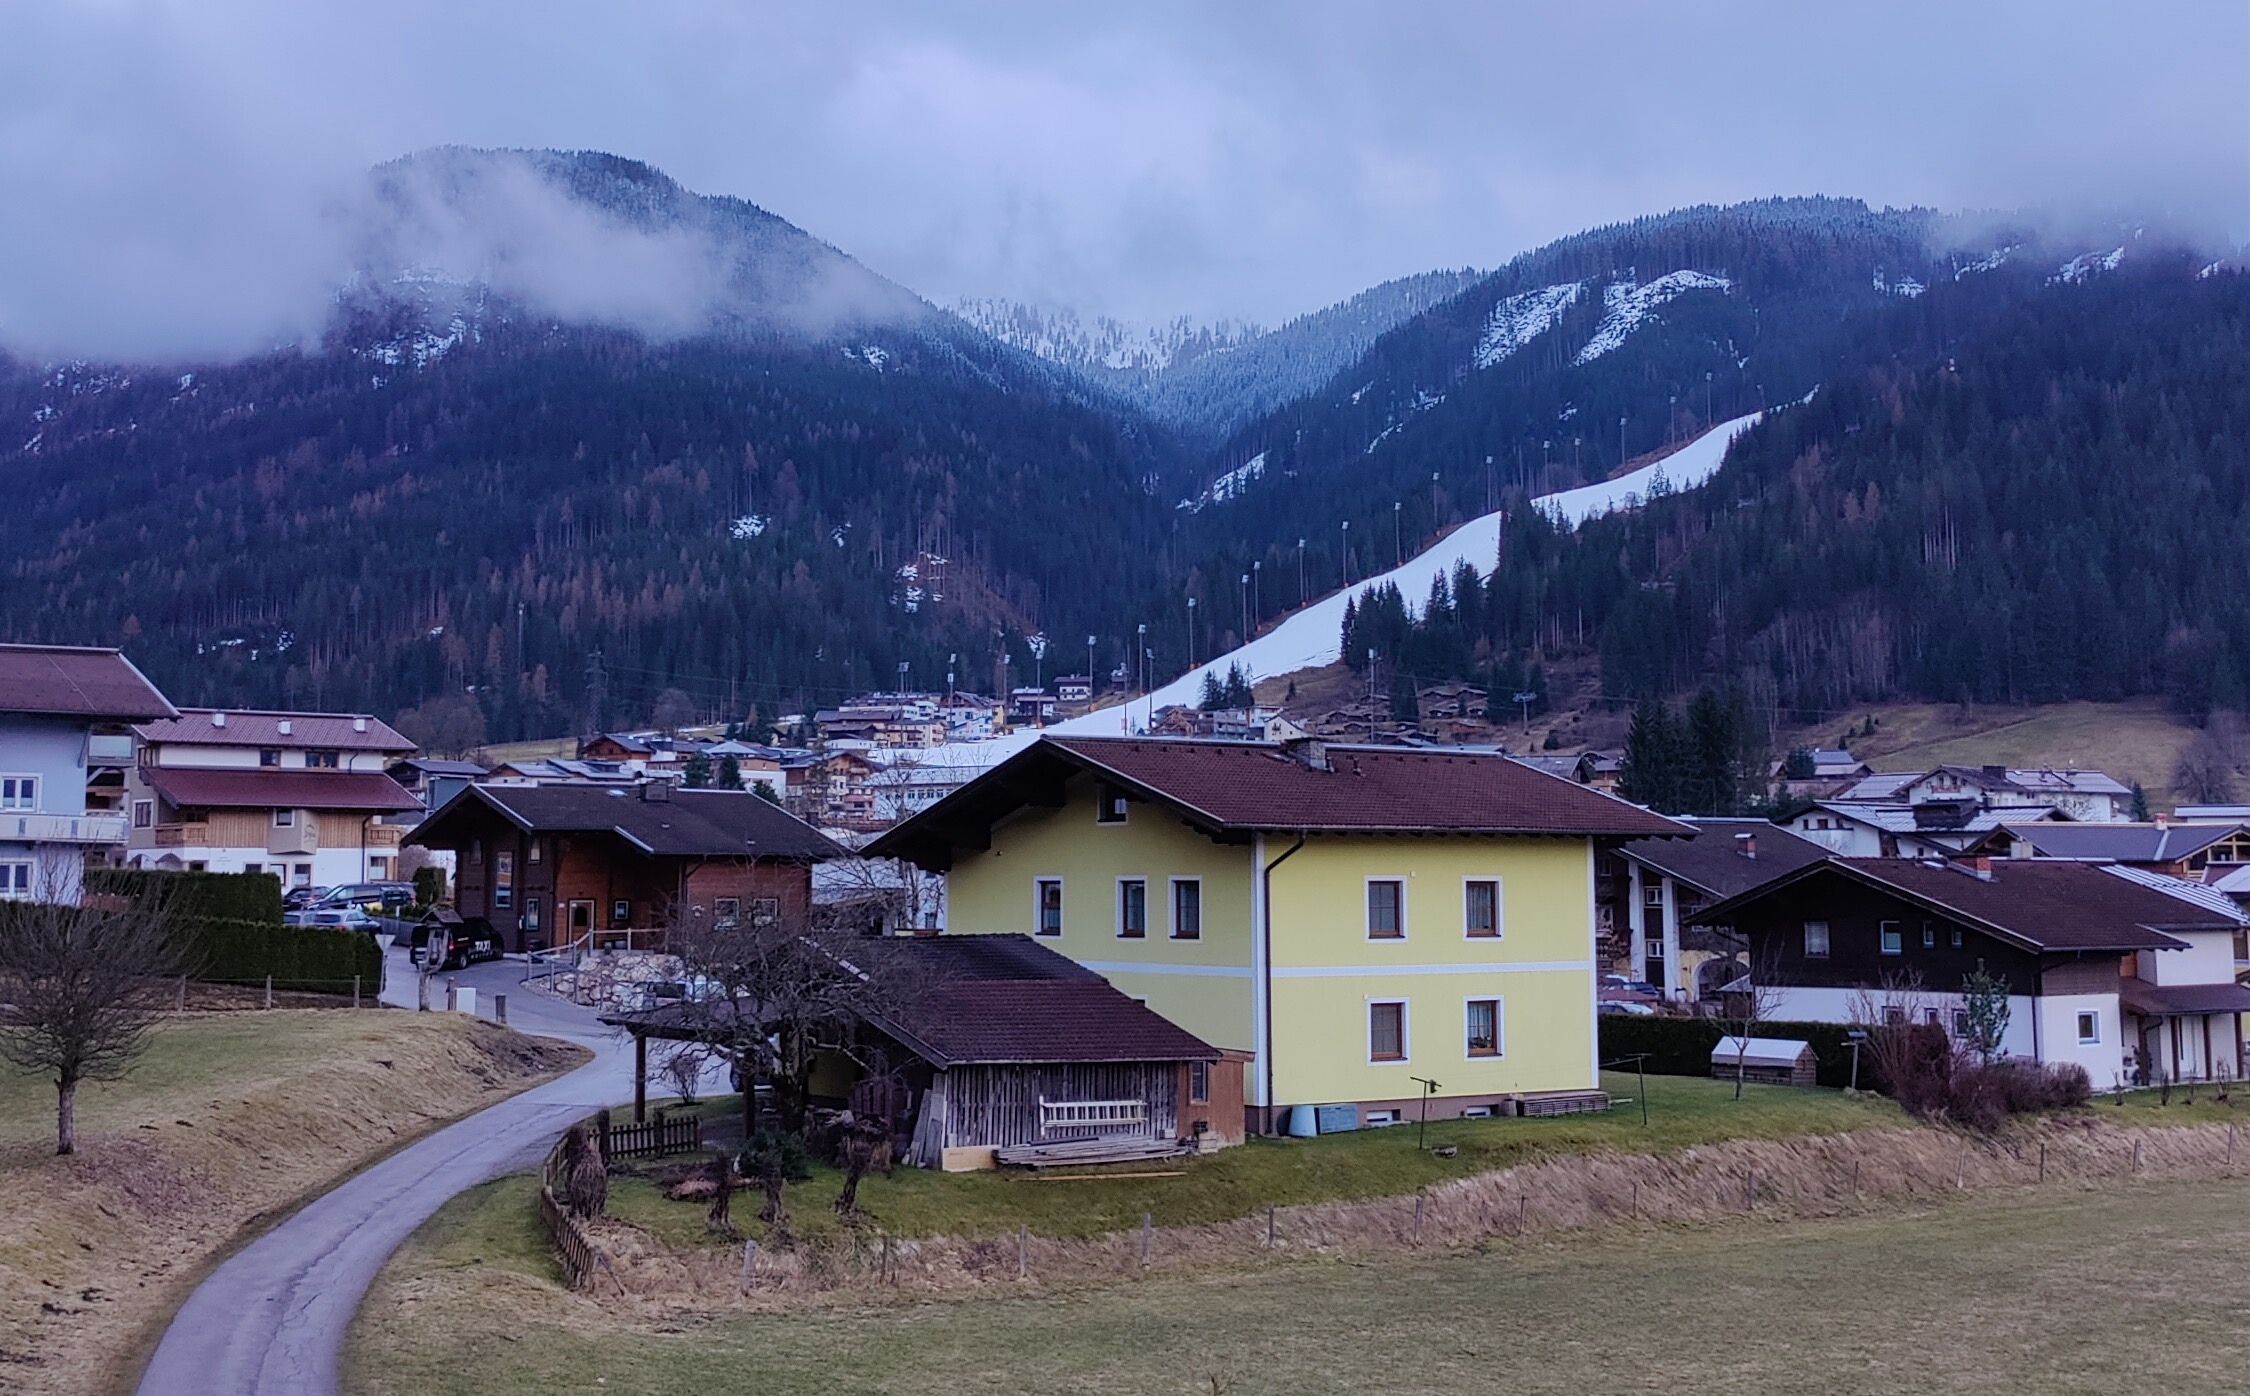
(1772,1061)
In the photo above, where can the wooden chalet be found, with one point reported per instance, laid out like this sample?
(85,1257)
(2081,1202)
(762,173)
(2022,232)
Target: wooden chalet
(616,864)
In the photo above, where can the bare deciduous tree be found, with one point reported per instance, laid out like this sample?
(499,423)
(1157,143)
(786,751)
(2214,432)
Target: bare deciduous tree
(1751,998)
(682,1066)
(2204,775)
(1887,1015)
(81,985)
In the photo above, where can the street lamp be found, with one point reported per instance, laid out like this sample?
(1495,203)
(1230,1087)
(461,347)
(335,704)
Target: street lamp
(1191,632)
(1398,533)
(1301,593)
(1089,666)
(1347,552)
(1257,591)
(1246,608)
(1141,644)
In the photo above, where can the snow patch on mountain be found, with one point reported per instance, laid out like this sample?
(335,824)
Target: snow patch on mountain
(1991,261)
(1228,486)
(1626,306)
(1106,343)
(1523,317)
(2086,264)
(1423,401)
(1905,286)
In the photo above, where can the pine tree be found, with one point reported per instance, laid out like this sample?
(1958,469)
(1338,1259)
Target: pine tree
(730,773)
(695,772)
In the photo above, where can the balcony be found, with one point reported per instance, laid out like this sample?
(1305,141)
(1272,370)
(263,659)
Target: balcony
(62,828)
(109,749)
(194,835)
(384,835)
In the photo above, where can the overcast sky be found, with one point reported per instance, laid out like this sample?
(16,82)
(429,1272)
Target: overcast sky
(167,164)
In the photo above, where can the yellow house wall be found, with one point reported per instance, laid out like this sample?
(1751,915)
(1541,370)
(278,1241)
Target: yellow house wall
(1326,971)
(1203,985)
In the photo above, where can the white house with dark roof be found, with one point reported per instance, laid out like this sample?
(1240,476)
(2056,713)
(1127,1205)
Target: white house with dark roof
(63,712)
(298,795)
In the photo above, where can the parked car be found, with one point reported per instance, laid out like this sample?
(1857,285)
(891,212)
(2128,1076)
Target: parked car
(445,940)
(1628,1007)
(1617,986)
(302,898)
(375,898)
(347,918)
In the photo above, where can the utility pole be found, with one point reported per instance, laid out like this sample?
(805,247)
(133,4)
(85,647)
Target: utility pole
(1257,592)
(1246,608)
(1398,533)
(1621,456)
(1091,679)
(1301,593)
(1347,552)
(1191,632)
(904,667)
(1140,645)
(951,661)
(1435,521)
(519,642)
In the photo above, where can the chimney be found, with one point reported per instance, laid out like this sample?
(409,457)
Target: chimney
(283,725)
(1746,845)
(218,719)
(1983,867)
(1309,752)
(656,792)
(1996,772)
(2164,821)
(359,724)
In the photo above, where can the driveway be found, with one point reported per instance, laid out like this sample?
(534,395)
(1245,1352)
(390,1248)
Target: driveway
(271,1320)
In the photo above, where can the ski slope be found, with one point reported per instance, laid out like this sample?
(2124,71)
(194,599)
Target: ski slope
(1314,636)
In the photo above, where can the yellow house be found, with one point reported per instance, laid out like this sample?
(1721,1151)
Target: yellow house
(1369,925)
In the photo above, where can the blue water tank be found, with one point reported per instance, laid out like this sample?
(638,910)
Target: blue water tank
(1303,1122)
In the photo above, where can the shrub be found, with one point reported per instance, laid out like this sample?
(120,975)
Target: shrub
(1682,1046)
(321,959)
(1980,1095)
(227,896)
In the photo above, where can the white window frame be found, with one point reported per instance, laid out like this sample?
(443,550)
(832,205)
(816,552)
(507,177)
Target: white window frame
(1827,941)
(1499,917)
(1367,908)
(144,814)
(1117,907)
(1172,887)
(17,879)
(13,792)
(1499,1027)
(2093,1020)
(1896,930)
(1062,904)
(1405,1032)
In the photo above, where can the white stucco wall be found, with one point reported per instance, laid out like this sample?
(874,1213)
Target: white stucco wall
(2209,959)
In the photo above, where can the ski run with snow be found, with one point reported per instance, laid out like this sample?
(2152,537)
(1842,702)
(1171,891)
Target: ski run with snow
(1625,305)
(1523,317)
(1313,637)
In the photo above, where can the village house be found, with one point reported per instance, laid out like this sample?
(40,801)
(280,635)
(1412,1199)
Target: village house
(2198,852)
(555,864)
(63,716)
(2127,973)
(1352,918)
(1654,887)
(1934,828)
(298,795)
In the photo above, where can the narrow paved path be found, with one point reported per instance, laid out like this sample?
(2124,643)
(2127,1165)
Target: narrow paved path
(271,1320)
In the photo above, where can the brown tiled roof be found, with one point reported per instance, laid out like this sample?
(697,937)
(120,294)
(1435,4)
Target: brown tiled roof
(2165,1000)
(1241,787)
(1711,863)
(1007,998)
(690,823)
(194,727)
(270,789)
(2040,904)
(66,681)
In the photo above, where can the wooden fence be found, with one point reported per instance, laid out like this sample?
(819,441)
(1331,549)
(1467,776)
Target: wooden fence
(580,1256)
(662,1135)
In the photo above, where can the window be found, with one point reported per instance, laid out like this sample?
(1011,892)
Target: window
(765,911)
(269,756)
(301,875)
(1930,1016)
(1893,941)
(1047,897)
(536,853)
(1109,805)
(19,792)
(1480,906)
(1956,937)
(321,760)
(283,818)
(1816,940)
(725,911)
(1652,893)
(1929,936)
(1187,908)
(1199,1083)
(15,881)
(198,865)
(476,852)
(144,814)
(1386,1031)
(1894,1016)
(1960,1022)
(1484,1027)
(620,913)
(1386,918)
(531,913)
(503,878)
(1132,908)
(2089,1028)
(253,867)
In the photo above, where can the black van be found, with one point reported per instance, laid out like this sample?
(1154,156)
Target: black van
(446,940)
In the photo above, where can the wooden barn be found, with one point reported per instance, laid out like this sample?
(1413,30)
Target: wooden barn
(1770,1061)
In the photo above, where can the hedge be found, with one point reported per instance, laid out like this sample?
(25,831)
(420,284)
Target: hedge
(226,896)
(1682,1046)
(322,959)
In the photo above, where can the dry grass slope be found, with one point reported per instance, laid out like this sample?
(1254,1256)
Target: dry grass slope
(231,1119)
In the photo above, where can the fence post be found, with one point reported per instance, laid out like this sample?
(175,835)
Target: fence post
(1523,1211)
(749,1261)
(269,991)
(183,994)
(2042,1163)
(500,1009)
(2136,1154)
(1148,1228)
(1023,1251)
(355,991)
(1269,1226)
(1750,1190)
(2230,1146)
(1961,1167)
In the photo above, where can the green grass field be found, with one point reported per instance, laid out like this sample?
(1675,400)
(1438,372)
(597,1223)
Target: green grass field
(2051,1292)
(1238,1182)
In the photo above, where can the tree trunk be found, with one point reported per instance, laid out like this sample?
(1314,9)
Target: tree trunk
(66,1116)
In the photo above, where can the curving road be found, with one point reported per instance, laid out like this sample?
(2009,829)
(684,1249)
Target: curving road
(271,1320)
